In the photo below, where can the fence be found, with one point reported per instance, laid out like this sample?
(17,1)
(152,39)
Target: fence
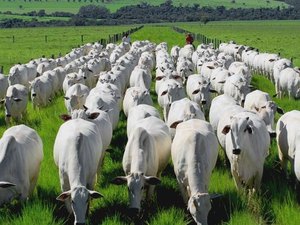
(200,37)
(111,39)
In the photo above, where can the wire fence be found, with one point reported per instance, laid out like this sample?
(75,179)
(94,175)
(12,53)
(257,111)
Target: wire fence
(112,38)
(200,37)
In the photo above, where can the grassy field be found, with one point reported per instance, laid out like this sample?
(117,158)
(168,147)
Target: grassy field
(276,204)
(29,18)
(267,36)
(30,43)
(21,6)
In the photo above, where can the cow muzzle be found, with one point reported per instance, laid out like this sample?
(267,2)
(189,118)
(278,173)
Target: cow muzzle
(8,115)
(236,151)
(79,223)
(203,102)
(33,94)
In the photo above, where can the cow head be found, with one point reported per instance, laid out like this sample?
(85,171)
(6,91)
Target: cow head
(199,206)
(238,128)
(136,183)
(78,201)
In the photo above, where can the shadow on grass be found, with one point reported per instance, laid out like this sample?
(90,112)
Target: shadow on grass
(60,212)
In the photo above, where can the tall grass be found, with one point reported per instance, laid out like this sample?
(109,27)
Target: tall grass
(274,205)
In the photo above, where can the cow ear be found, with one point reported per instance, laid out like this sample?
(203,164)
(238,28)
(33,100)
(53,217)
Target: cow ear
(65,117)
(119,180)
(95,194)
(2,101)
(159,78)
(164,93)
(196,91)
(210,67)
(226,129)
(94,115)
(64,196)
(280,110)
(67,98)
(152,180)
(175,124)
(4,184)
(212,91)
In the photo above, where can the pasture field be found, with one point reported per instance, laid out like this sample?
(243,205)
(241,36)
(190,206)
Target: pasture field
(267,36)
(29,18)
(30,43)
(72,6)
(277,203)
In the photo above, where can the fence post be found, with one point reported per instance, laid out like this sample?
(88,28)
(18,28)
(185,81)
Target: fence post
(46,38)
(82,38)
(13,39)
(1,69)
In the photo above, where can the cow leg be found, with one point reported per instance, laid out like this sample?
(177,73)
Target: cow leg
(183,191)
(236,179)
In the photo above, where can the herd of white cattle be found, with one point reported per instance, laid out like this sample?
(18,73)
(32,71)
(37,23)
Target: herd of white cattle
(99,82)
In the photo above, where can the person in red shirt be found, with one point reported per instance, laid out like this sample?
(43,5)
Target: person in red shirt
(189,39)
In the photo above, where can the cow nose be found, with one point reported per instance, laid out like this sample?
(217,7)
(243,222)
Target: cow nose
(8,115)
(236,151)
(33,94)
(203,102)
(79,223)
(272,134)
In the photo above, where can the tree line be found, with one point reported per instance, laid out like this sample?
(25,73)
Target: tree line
(91,15)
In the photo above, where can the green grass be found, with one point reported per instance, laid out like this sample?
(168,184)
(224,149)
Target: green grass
(277,203)
(20,6)
(30,43)
(267,36)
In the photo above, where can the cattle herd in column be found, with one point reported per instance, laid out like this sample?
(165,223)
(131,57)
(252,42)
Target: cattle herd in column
(191,85)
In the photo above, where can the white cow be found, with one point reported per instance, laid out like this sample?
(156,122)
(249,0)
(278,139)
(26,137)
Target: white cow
(18,75)
(41,91)
(280,65)
(72,78)
(183,110)
(194,155)
(139,112)
(78,154)
(3,85)
(261,103)
(237,87)
(198,90)
(21,154)
(75,97)
(97,116)
(218,78)
(141,77)
(106,102)
(288,141)
(16,101)
(135,96)
(242,69)
(169,91)
(175,53)
(219,104)
(247,146)
(289,83)
(146,155)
